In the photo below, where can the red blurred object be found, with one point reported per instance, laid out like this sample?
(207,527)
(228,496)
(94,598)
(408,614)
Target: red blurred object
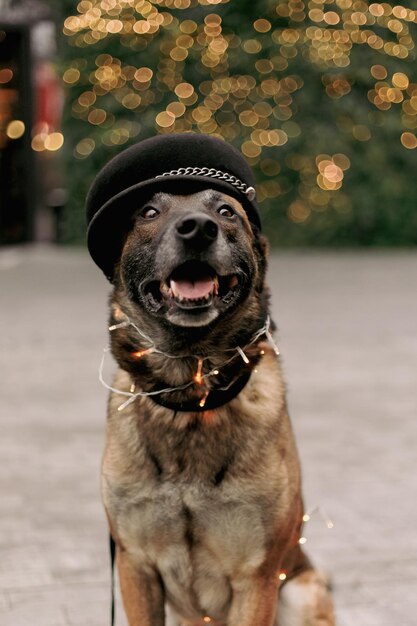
(49,98)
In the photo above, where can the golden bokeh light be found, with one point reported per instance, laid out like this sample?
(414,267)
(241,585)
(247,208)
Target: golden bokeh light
(38,142)
(331,171)
(97,116)
(143,74)
(45,141)
(72,75)
(165,119)
(184,90)
(15,129)
(262,26)
(409,141)
(54,142)
(84,148)
(400,80)
(299,212)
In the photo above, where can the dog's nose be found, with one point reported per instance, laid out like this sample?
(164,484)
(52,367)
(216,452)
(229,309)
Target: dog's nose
(197,229)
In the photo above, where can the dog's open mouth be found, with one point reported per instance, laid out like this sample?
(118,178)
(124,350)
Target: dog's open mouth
(193,286)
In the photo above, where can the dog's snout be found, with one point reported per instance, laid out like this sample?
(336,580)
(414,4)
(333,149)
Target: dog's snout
(197,229)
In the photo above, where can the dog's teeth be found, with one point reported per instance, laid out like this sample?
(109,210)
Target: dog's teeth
(174,291)
(167,291)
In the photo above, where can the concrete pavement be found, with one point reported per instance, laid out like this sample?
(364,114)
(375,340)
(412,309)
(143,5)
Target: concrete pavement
(348,337)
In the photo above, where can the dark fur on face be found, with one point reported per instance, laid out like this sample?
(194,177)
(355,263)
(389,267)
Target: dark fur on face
(228,262)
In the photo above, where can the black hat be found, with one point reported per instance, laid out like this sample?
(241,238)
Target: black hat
(180,163)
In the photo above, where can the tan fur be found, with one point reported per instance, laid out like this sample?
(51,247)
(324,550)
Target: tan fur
(208,548)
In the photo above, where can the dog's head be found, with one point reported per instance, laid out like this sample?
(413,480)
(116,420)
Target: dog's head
(173,223)
(190,259)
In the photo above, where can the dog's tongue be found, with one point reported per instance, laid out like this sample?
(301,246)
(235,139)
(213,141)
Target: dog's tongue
(192,290)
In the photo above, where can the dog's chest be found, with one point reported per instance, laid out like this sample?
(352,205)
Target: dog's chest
(197,537)
(188,514)
(193,504)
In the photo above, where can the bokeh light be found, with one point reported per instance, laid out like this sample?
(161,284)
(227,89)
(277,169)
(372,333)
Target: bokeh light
(265,80)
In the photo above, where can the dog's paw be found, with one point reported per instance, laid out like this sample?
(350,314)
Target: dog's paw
(306,601)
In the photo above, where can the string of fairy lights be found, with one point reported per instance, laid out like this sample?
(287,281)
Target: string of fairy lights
(199,379)
(174,72)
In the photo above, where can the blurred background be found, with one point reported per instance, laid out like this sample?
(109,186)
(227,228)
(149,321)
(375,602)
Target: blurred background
(320,95)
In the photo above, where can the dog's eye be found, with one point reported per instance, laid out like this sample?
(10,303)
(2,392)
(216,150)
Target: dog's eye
(149,213)
(226,211)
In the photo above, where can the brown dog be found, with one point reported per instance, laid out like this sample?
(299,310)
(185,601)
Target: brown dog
(201,479)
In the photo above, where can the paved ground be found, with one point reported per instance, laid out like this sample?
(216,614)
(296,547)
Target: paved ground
(348,335)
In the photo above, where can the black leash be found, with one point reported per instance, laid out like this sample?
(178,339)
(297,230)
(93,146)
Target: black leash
(112,560)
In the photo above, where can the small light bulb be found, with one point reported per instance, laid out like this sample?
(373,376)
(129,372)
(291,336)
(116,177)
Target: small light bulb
(140,353)
(203,399)
(282,576)
(306,518)
(120,325)
(302,540)
(243,355)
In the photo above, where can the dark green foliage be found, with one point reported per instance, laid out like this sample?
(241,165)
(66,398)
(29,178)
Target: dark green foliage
(321,109)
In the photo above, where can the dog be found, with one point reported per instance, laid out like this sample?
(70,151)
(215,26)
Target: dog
(200,474)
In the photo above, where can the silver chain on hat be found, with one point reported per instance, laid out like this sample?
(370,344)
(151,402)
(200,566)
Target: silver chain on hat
(248,191)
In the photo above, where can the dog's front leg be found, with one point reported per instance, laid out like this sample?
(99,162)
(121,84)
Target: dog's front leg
(254,603)
(142,593)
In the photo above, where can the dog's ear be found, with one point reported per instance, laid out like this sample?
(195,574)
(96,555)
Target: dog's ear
(261,247)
